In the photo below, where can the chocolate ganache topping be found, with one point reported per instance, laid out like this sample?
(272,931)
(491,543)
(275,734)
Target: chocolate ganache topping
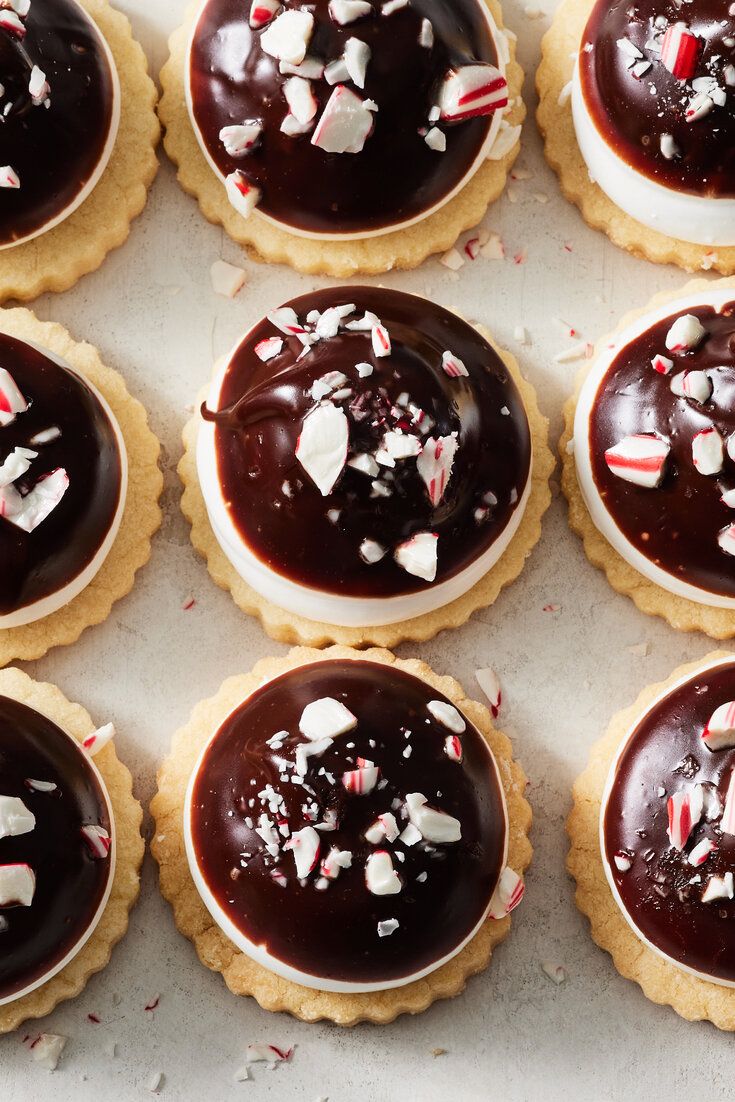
(56,112)
(369,442)
(659,82)
(662,447)
(54,846)
(350,821)
(60,475)
(669,823)
(344,116)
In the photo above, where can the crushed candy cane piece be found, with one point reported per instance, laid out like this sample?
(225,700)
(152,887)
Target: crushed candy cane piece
(361,781)
(300,99)
(669,148)
(418,555)
(305,845)
(719,734)
(447,715)
(452,260)
(708,451)
(680,51)
(326,718)
(623,861)
(662,364)
(347,11)
(321,448)
(45,436)
(385,826)
(453,366)
(98,739)
(262,11)
(287,37)
(685,334)
(40,786)
(15,817)
(640,459)
(684,810)
(356,58)
(46,1050)
(371,551)
(12,401)
(380,339)
(726,539)
(489,682)
(696,385)
(241,139)
(453,748)
(336,860)
(97,839)
(30,511)
(269,348)
(267,1054)
(472,90)
(227,279)
(345,123)
(701,852)
(507,895)
(8,176)
(727,821)
(435,463)
(17,885)
(433,825)
(718,887)
(380,876)
(436,139)
(555,972)
(426,34)
(387,927)
(243,195)
(506,139)
(16,465)
(11,21)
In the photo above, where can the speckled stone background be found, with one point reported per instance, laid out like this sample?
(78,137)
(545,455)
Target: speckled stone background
(513,1035)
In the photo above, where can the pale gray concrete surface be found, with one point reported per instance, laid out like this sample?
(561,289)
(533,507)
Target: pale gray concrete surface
(513,1034)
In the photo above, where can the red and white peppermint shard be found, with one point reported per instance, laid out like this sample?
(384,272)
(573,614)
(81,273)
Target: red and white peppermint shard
(12,401)
(623,861)
(447,715)
(380,339)
(435,465)
(243,195)
(9,178)
(489,682)
(286,319)
(38,87)
(418,555)
(17,885)
(300,99)
(685,811)
(708,451)
(241,139)
(334,862)
(305,845)
(95,742)
(347,11)
(719,734)
(718,887)
(662,364)
(12,23)
(385,826)
(472,90)
(345,124)
(453,748)
(15,818)
(30,511)
(727,821)
(326,718)
(680,51)
(262,11)
(453,366)
(97,840)
(696,385)
(287,37)
(432,824)
(356,58)
(380,876)
(361,781)
(685,334)
(322,446)
(268,349)
(16,465)
(640,459)
(726,540)
(507,895)
(701,852)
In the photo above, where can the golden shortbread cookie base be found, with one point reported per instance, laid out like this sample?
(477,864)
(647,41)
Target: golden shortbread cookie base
(141,518)
(241,974)
(405,248)
(128,815)
(681,613)
(287,628)
(661,981)
(78,245)
(558,52)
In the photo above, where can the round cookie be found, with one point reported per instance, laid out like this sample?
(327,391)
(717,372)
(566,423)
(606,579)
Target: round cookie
(275,992)
(672,159)
(48,596)
(54,810)
(270,229)
(658,590)
(645,937)
(81,225)
(356,552)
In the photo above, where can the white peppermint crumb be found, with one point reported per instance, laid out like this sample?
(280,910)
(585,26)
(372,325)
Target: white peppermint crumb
(155,1082)
(556,972)
(242,1074)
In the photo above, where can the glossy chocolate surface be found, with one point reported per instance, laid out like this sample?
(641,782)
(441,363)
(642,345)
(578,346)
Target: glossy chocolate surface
(666,750)
(396,176)
(333,933)
(675,525)
(631,117)
(37,564)
(53,150)
(256,446)
(70,884)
